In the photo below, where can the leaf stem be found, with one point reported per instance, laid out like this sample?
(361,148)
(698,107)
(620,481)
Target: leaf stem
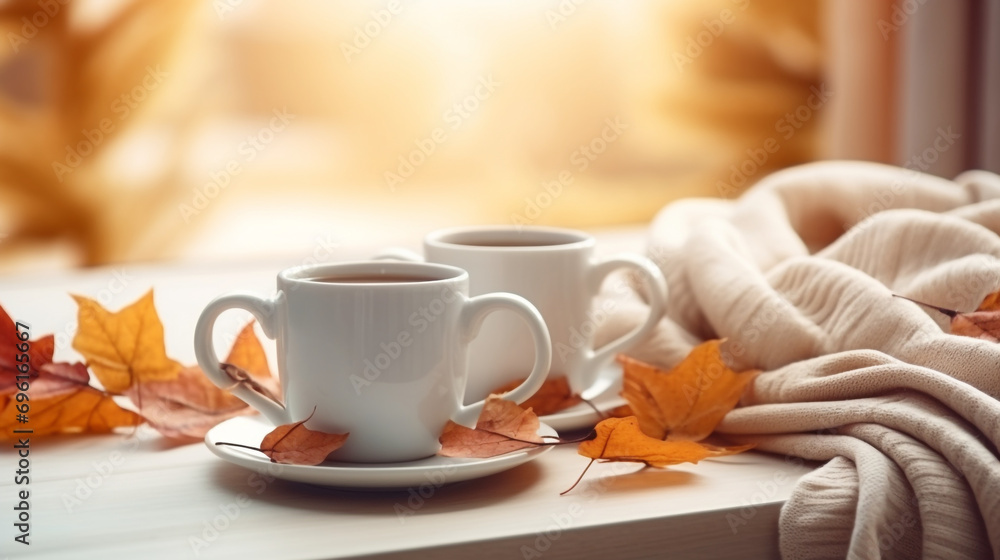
(239,445)
(560,441)
(949,312)
(600,414)
(578,479)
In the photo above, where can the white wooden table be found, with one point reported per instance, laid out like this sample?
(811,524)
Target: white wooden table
(141,496)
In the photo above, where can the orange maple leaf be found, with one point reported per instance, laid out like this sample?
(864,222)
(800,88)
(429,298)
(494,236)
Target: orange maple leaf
(126,347)
(622,440)
(688,401)
(990,302)
(554,395)
(298,445)
(502,427)
(62,401)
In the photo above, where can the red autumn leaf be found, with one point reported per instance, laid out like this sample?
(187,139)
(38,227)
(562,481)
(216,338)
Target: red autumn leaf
(983,323)
(39,353)
(296,444)
(59,377)
(502,427)
(553,396)
(688,401)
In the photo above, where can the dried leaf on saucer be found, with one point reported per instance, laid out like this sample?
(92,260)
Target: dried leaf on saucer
(553,396)
(502,427)
(296,444)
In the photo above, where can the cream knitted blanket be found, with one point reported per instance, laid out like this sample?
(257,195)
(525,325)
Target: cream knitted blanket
(902,417)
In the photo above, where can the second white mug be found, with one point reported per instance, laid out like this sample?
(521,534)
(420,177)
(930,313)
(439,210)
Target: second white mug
(556,270)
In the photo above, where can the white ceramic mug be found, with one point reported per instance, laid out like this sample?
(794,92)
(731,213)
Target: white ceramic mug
(556,270)
(377,349)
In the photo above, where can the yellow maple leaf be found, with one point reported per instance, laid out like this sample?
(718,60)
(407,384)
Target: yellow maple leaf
(126,347)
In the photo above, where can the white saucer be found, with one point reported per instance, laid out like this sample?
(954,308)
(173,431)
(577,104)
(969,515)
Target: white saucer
(603,394)
(433,471)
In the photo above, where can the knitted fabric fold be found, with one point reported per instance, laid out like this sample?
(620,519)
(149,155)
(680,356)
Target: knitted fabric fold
(799,274)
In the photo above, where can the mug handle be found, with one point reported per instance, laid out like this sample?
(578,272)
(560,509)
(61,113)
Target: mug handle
(473,313)
(265,312)
(656,286)
(398,254)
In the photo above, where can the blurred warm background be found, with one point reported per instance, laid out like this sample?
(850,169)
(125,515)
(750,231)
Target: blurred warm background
(181,129)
